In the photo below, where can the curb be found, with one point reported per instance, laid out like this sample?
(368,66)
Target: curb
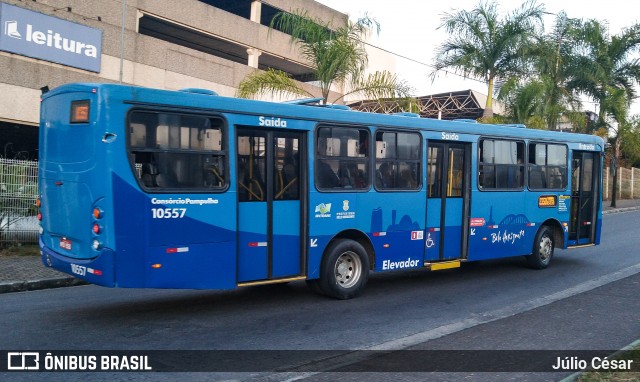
(619,210)
(22,286)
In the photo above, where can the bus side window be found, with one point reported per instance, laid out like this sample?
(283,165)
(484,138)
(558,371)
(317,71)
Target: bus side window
(385,175)
(536,178)
(326,177)
(342,158)
(547,166)
(172,150)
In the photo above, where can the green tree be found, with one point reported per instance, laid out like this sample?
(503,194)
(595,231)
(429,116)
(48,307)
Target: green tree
(554,55)
(630,147)
(543,97)
(605,64)
(484,46)
(337,56)
(607,70)
(524,102)
(618,106)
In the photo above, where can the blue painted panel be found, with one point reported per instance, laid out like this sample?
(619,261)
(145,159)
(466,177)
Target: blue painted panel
(453,228)
(504,225)
(192,266)
(394,222)
(144,237)
(432,239)
(286,238)
(396,251)
(99,270)
(252,241)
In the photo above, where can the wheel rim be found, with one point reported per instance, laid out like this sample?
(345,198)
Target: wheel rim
(546,249)
(348,269)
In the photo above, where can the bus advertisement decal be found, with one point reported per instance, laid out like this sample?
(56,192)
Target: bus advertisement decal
(323,210)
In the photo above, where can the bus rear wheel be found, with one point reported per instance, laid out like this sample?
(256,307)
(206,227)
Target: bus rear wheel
(543,247)
(345,270)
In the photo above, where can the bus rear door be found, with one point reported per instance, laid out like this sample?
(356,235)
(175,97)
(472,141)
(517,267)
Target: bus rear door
(270,170)
(448,176)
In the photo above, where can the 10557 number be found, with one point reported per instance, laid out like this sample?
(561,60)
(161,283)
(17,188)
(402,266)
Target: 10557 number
(168,213)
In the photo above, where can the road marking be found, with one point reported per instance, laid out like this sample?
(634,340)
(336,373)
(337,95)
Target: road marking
(356,355)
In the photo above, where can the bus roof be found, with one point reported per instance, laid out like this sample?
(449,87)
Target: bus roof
(311,111)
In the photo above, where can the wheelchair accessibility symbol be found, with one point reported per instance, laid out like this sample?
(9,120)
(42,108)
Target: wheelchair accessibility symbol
(429,242)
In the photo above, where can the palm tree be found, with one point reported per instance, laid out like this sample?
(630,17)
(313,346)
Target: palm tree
(525,102)
(543,97)
(485,47)
(553,61)
(617,105)
(605,63)
(337,57)
(607,71)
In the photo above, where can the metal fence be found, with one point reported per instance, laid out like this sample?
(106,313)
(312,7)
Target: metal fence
(18,193)
(628,183)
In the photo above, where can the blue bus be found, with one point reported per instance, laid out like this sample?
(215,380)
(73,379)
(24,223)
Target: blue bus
(147,188)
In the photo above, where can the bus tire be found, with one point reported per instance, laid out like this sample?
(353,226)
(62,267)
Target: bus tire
(543,247)
(345,269)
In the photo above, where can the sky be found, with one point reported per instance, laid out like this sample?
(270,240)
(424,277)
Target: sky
(409,28)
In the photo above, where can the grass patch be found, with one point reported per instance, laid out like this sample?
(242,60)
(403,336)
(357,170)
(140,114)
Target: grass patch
(21,250)
(617,376)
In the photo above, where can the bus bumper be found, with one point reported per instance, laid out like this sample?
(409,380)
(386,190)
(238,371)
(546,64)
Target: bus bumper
(99,270)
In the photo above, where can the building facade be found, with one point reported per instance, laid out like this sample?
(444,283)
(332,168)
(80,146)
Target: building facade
(166,44)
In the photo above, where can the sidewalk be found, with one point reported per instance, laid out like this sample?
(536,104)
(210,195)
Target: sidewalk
(22,273)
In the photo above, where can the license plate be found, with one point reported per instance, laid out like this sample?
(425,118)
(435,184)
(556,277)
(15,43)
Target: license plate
(65,244)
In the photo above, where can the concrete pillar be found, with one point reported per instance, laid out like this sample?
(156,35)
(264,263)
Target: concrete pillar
(254,54)
(256,11)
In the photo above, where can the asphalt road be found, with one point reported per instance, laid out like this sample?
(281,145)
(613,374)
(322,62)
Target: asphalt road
(482,306)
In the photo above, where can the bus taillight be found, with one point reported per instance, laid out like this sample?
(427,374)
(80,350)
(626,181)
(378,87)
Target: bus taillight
(96,228)
(39,214)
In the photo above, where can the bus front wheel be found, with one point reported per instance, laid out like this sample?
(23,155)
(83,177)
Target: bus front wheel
(345,269)
(543,247)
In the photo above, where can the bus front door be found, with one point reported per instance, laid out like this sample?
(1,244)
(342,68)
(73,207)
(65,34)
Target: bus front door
(448,176)
(584,200)
(270,188)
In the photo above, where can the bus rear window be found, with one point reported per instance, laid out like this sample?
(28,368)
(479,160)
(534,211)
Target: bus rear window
(174,151)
